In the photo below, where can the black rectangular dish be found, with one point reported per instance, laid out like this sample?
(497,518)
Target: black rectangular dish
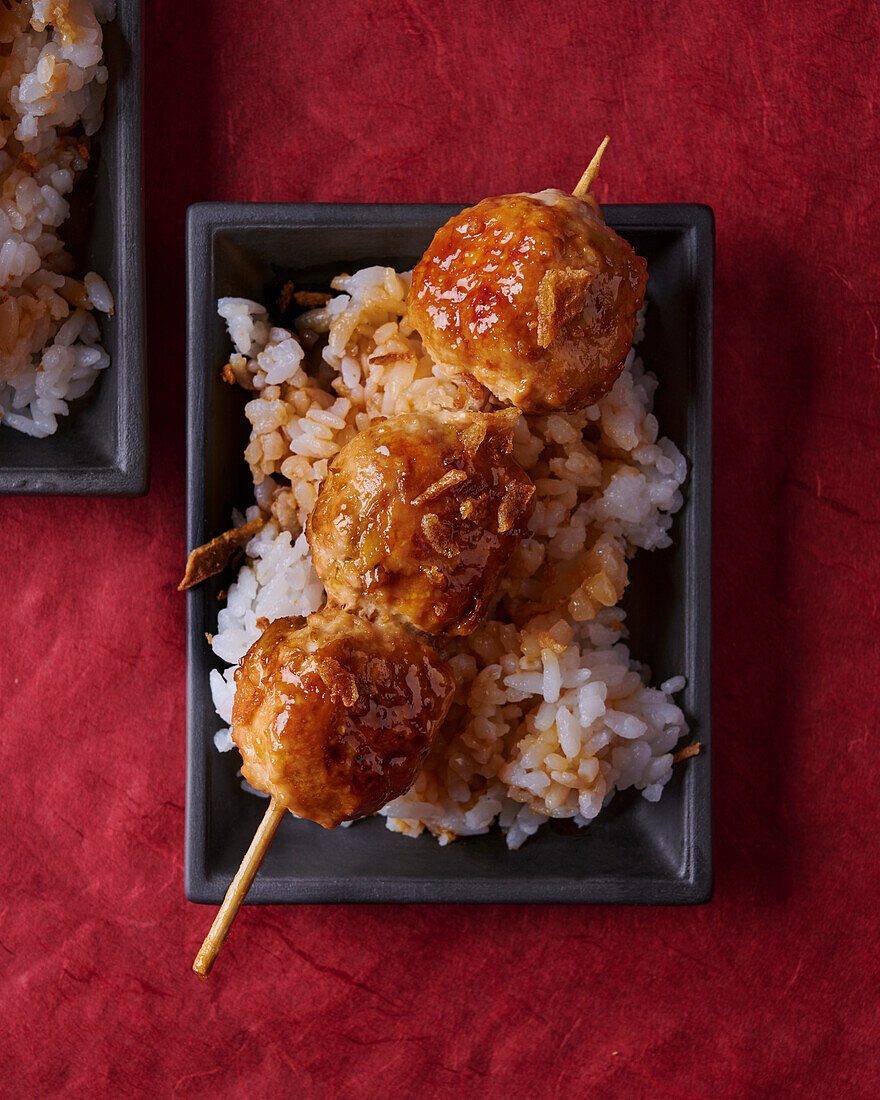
(101,446)
(635,851)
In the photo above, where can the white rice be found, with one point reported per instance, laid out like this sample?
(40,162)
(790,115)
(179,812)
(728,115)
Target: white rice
(52,88)
(551,715)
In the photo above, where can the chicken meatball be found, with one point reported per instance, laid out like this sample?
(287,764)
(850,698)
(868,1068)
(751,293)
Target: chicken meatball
(333,717)
(419,516)
(534,296)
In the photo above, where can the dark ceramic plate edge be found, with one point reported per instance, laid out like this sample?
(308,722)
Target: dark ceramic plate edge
(127,472)
(696,885)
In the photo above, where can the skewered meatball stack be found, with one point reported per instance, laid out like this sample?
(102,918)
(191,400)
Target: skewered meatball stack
(333,717)
(534,296)
(534,299)
(419,517)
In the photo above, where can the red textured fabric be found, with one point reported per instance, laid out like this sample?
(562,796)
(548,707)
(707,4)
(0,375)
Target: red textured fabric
(769,114)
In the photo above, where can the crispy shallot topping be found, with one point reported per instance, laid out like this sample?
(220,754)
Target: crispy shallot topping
(394,357)
(439,535)
(473,435)
(515,501)
(450,478)
(562,295)
(474,508)
(474,388)
(506,418)
(337,679)
(208,560)
(311,298)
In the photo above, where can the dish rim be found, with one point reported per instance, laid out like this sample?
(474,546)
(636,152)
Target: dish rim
(697,221)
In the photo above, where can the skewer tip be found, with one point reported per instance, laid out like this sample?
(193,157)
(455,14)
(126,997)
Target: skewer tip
(203,962)
(238,889)
(586,181)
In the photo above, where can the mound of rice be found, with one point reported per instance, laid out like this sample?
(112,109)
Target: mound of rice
(551,714)
(52,87)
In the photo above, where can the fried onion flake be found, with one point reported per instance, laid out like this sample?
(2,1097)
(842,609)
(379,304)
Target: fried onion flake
(450,478)
(561,296)
(208,560)
(515,501)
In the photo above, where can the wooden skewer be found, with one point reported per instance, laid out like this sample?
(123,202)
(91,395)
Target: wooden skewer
(238,889)
(586,180)
(265,834)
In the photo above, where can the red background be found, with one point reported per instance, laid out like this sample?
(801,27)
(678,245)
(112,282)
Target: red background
(769,114)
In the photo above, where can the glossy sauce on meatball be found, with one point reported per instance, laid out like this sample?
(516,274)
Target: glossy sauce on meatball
(532,295)
(419,516)
(333,717)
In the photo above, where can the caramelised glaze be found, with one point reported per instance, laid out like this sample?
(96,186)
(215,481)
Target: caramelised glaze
(333,717)
(532,295)
(419,516)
